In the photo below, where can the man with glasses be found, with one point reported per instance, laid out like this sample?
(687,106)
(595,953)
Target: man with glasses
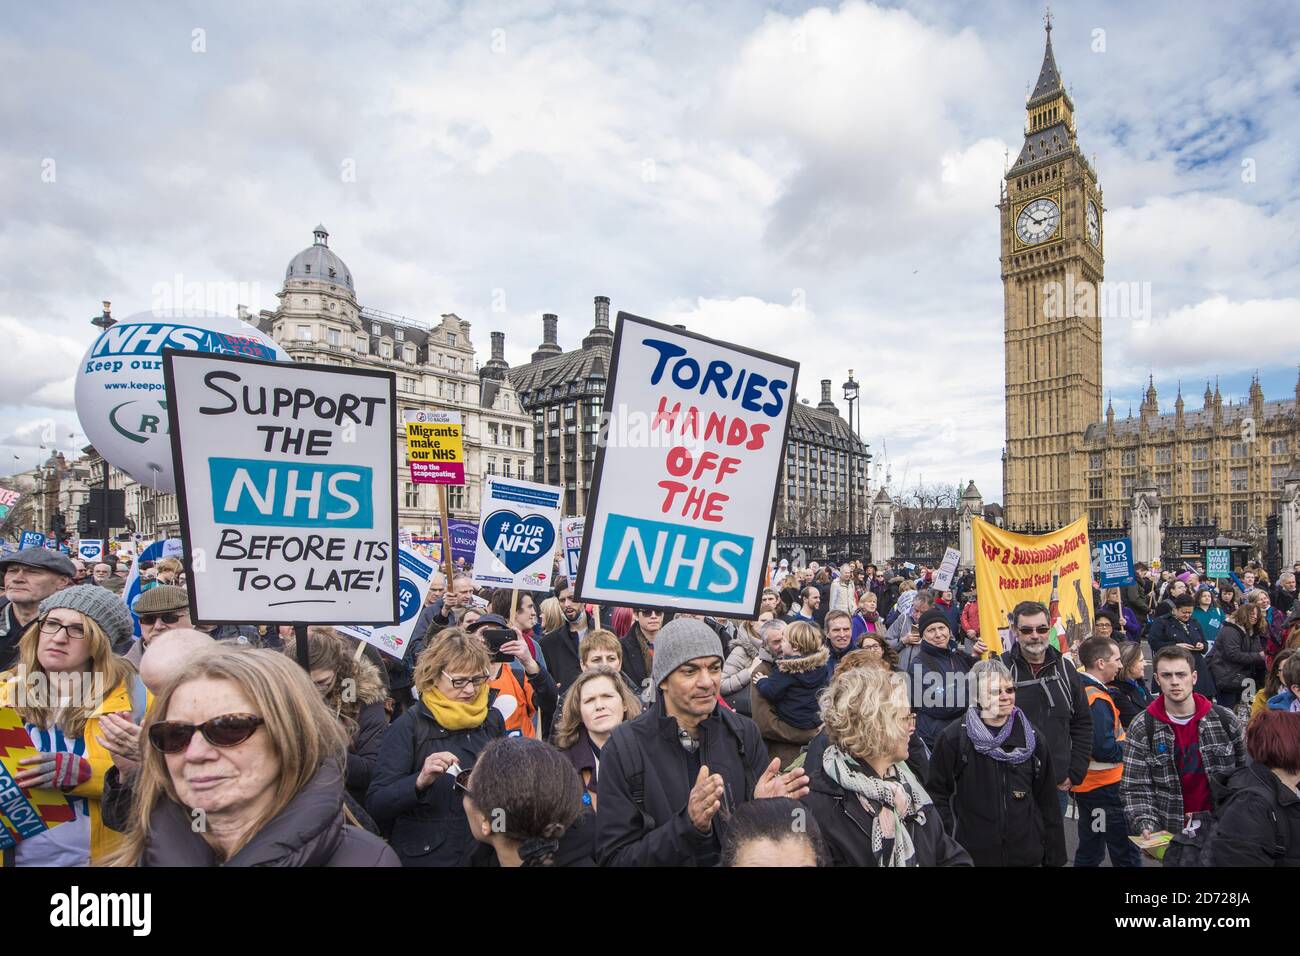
(30,576)
(639,648)
(161,608)
(1101,811)
(671,778)
(1050,692)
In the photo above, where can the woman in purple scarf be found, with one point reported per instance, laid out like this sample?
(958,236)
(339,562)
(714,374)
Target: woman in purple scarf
(992,780)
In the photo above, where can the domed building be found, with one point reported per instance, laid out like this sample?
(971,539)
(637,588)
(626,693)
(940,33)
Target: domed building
(320,321)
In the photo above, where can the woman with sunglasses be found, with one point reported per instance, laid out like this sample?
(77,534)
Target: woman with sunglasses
(241,741)
(992,779)
(67,681)
(412,791)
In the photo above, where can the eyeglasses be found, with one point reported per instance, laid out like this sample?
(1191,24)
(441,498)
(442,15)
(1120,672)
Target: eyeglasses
(1040,629)
(51,627)
(228,730)
(460,683)
(1007,692)
(168,617)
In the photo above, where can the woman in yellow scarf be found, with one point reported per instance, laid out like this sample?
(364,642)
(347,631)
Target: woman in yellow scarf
(417,785)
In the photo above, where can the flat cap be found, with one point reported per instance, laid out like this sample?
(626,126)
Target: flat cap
(160,599)
(43,559)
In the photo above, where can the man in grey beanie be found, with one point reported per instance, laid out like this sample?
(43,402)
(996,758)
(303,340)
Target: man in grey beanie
(671,778)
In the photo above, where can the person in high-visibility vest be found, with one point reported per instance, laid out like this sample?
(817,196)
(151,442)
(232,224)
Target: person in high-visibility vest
(1101,812)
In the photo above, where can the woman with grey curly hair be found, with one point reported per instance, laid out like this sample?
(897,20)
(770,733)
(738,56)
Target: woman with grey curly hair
(871,808)
(992,779)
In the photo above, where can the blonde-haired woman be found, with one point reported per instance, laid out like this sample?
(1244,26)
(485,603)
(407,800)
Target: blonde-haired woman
(240,741)
(66,683)
(594,704)
(552,615)
(416,787)
(872,809)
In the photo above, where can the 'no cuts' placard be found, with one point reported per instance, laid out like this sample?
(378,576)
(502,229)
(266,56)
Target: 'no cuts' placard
(687,472)
(287,481)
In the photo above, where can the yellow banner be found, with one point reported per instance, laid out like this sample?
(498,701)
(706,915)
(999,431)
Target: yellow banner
(1010,568)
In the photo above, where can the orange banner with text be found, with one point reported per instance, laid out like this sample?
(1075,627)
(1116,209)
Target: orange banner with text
(1010,568)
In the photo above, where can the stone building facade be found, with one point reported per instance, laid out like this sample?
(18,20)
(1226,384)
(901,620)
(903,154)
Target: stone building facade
(319,320)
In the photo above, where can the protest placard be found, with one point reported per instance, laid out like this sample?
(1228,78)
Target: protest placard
(518,529)
(571,536)
(31,539)
(1115,563)
(395,639)
(947,568)
(435,449)
(90,550)
(8,501)
(1010,568)
(687,471)
(287,483)
(24,813)
(1218,562)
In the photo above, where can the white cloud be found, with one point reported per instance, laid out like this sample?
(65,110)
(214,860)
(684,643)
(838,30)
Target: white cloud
(37,368)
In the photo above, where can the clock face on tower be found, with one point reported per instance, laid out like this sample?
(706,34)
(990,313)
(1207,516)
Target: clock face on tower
(1094,224)
(1037,221)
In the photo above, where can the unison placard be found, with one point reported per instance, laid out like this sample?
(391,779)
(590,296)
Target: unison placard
(687,472)
(287,482)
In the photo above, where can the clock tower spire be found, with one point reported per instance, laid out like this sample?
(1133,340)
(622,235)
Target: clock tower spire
(1052,266)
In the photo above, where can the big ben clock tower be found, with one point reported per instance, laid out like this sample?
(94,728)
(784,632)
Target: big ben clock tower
(1052,266)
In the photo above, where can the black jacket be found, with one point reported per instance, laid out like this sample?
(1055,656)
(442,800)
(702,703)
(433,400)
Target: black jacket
(646,778)
(1236,658)
(363,752)
(1056,705)
(10,633)
(310,831)
(633,661)
(1259,821)
(1004,814)
(426,828)
(1130,697)
(846,826)
(561,649)
(938,684)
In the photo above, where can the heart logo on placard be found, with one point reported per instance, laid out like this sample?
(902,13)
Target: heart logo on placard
(518,542)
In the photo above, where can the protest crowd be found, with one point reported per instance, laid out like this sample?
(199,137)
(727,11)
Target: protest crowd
(863,718)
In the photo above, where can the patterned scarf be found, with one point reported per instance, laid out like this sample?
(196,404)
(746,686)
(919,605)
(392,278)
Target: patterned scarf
(990,746)
(887,800)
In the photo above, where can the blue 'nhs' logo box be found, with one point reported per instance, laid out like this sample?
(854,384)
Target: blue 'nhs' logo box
(685,561)
(290,494)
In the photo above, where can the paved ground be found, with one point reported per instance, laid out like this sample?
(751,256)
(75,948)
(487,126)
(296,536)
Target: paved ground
(1072,841)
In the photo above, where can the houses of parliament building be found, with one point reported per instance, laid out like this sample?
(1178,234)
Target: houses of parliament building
(1216,464)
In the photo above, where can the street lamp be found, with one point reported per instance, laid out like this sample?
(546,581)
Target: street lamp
(851,396)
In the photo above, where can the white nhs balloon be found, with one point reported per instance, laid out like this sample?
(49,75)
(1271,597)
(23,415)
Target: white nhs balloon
(120,395)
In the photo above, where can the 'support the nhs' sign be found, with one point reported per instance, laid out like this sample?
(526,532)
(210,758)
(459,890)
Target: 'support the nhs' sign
(287,478)
(687,472)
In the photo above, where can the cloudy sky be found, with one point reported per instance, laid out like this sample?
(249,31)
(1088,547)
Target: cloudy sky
(818,181)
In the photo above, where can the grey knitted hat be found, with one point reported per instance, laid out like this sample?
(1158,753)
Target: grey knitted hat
(103,606)
(680,640)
